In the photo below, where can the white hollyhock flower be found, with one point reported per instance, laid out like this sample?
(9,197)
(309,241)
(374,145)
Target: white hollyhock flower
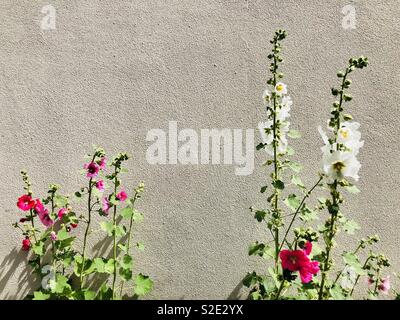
(349,135)
(266,138)
(348,278)
(326,149)
(339,164)
(281,88)
(283,112)
(266,96)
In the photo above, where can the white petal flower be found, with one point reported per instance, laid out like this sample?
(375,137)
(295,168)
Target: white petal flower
(281,88)
(266,138)
(349,135)
(339,164)
(283,112)
(348,278)
(326,149)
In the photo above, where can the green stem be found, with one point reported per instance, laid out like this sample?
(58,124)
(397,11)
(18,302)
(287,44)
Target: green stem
(358,276)
(297,212)
(115,237)
(280,289)
(129,236)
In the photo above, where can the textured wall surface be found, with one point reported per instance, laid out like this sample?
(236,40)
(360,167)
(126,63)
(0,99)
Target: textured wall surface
(113,70)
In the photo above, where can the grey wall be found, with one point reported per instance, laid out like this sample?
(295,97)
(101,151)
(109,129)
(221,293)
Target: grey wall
(112,70)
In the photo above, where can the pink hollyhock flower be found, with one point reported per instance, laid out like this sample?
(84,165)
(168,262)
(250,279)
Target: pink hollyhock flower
(25,202)
(26,244)
(53,236)
(38,207)
(384,286)
(307,271)
(297,260)
(45,218)
(102,163)
(308,248)
(100,185)
(106,206)
(92,169)
(62,212)
(293,260)
(122,196)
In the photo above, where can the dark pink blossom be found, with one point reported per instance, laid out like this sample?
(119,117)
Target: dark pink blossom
(26,244)
(100,185)
(25,202)
(102,163)
(106,206)
(122,196)
(92,169)
(62,212)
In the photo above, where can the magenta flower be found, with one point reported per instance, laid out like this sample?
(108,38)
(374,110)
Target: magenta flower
(106,206)
(53,236)
(25,202)
(92,169)
(122,196)
(100,185)
(102,163)
(43,213)
(384,286)
(61,213)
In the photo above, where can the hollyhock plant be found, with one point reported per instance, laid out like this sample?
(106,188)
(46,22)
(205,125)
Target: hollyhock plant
(51,245)
(25,202)
(302,265)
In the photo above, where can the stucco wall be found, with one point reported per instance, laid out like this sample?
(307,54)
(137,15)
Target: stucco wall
(113,70)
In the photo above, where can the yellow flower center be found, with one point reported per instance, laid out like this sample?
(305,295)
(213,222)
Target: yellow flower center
(279,87)
(338,166)
(344,133)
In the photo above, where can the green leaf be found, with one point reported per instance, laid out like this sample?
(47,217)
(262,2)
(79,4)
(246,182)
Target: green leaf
(137,216)
(62,234)
(263,189)
(140,246)
(89,295)
(120,231)
(126,212)
(352,260)
(60,201)
(256,249)
(108,227)
(251,279)
(38,248)
(126,262)
(260,215)
(61,285)
(97,193)
(306,214)
(352,189)
(292,202)
(278,184)
(126,274)
(66,243)
(297,181)
(109,266)
(105,293)
(294,134)
(260,146)
(143,285)
(296,167)
(290,151)
(350,226)
(337,293)
(99,265)
(38,295)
